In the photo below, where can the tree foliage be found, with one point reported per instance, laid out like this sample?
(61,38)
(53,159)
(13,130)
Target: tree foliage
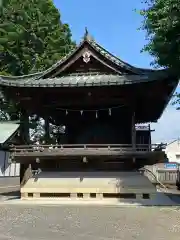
(32,36)
(161,20)
(162,24)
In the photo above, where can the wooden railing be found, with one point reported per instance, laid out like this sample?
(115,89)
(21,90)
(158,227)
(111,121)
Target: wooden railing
(84,147)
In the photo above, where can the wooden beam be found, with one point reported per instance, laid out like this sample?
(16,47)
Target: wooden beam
(46,128)
(69,155)
(133,131)
(24,126)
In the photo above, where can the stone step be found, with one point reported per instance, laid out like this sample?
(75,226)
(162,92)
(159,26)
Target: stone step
(88,185)
(87,196)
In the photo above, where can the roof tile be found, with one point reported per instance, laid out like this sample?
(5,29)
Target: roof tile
(77,80)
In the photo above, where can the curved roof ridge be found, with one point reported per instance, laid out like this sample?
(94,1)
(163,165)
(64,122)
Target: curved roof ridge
(21,76)
(91,73)
(63,59)
(138,69)
(97,47)
(114,56)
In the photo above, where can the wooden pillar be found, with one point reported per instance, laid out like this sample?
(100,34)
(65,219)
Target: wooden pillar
(69,133)
(24,135)
(133,131)
(46,128)
(24,127)
(149,137)
(133,134)
(72,127)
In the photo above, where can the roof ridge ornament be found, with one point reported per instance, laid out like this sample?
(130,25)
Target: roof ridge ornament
(87,36)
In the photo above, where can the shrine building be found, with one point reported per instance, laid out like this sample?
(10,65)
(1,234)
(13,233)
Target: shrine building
(100,100)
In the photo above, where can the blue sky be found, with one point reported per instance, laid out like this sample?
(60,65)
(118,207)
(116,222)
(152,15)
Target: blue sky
(114,25)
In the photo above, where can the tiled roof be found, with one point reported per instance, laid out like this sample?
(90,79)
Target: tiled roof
(7,129)
(79,80)
(20,78)
(37,78)
(104,53)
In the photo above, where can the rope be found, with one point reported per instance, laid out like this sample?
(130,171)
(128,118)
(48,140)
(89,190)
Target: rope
(155,177)
(89,110)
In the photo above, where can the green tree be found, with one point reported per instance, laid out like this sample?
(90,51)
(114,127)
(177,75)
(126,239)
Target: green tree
(32,36)
(161,21)
(162,24)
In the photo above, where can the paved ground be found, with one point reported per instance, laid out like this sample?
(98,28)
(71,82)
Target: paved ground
(27,222)
(9,181)
(9,187)
(62,222)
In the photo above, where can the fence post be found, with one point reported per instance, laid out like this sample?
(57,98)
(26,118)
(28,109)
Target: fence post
(178,178)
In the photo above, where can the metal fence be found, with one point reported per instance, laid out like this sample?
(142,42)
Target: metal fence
(160,174)
(168,176)
(8,169)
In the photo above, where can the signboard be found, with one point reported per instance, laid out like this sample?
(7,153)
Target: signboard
(142,128)
(171,165)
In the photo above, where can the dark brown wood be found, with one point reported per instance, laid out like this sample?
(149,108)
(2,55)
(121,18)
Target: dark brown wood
(144,158)
(92,66)
(65,151)
(133,131)
(94,56)
(139,147)
(47,132)
(147,98)
(24,126)
(83,152)
(62,146)
(104,61)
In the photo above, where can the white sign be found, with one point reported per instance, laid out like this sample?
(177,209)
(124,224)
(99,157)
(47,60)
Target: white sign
(142,128)
(170,165)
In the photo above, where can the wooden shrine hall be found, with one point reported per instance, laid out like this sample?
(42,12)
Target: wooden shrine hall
(99,99)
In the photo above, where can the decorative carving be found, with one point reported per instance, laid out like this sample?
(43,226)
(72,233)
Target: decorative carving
(86,56)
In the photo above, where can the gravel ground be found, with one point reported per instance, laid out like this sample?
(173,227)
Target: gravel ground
(27,222)
(88,222)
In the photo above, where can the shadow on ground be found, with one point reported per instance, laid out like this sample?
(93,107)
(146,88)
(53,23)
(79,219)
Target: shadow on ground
(9,195)
(174,197)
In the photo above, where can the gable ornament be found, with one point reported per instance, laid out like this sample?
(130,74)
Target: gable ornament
(86,56)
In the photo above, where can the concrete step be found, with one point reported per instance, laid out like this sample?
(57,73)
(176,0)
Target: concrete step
(88,185)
